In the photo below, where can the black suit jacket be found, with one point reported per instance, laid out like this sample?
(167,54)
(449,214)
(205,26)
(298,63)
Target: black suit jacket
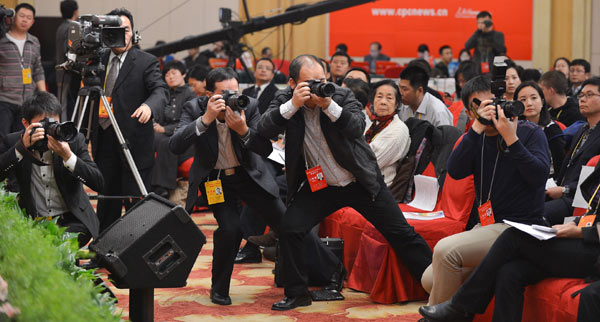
(140,81)
(571,166)
(70,184)
(344,137)
(265,97)
(206,148)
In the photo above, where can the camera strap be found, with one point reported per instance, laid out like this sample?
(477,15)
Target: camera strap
(26,153)
(481,175)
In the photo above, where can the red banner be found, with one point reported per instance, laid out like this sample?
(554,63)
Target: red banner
(401,26)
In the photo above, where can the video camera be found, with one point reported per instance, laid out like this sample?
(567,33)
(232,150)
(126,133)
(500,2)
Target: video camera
(510,108)
(321,89)
(65,131)
(237,102)
(4,13)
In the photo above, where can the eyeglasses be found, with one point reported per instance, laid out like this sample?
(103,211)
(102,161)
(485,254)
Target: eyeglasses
(267,68)
(587,95)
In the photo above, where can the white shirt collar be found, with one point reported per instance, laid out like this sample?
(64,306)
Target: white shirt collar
(121,57)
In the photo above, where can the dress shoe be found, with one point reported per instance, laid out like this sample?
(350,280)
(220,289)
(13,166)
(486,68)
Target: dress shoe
(289,303)
(219,299)
(445,312)
(267,240)
(337,279)
(270,253)
(248,254)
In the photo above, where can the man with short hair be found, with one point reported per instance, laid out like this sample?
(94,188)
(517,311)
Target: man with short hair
(266,52)
(51,173)
(67,82)
(509,161)
(487,42)
(21,73)
(417,102)
(579,71)
(329,166)
(445,60)
(197,79)
(340,64)
(264,89)
(374,56)
(563,108)
(584,146)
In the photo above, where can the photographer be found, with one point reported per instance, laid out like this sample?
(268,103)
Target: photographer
(487,42)
(325,144)
(21,73)
(134,85)
(227,157)
(509,184)
(51,175)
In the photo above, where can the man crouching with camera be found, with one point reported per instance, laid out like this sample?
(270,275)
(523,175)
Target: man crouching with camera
(51,172)
(509,161)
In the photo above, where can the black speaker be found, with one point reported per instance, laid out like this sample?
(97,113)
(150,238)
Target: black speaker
(154,245)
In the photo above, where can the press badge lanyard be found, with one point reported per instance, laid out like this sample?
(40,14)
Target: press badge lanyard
(25,72)
(486,214)
(315,176)
(588,219)
(214,190)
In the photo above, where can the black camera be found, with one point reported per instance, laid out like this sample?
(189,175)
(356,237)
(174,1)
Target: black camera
(65,131)
(321,89)
(237,102)
(4,12)
(510,108)
(488,23)
(94,31)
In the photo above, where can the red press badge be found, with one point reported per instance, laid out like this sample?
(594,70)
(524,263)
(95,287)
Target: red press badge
(102,113)
(316,179)
(587,221)
(485,67)
(486,215)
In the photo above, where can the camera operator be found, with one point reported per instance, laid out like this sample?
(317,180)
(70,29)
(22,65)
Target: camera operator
(509,184)
(133,83)
(67,82)
(487,42)
(51,175)
(21,73)
(227,157)
(324,138)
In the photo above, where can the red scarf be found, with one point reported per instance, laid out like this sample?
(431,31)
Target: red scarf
(380,123)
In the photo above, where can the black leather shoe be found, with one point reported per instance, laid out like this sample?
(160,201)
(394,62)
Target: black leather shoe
(337,279)
(445,312)
(267,240)
(289,303)
(248,254)
(219,299)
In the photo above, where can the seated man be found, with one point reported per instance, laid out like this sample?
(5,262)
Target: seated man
(329,165)
(509,184)
(264,89)
(51,173)
(197,79)
(164,171)
(517,260)
(563,108)
(418,102)
(584,145)
(579,72)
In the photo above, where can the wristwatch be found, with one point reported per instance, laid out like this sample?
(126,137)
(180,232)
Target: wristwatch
(565,190)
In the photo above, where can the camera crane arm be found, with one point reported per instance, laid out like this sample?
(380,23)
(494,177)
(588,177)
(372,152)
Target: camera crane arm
(234,32)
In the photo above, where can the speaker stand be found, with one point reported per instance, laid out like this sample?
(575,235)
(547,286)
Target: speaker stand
(141,305)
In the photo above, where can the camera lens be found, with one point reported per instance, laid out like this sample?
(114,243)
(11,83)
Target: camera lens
(513,108)
(63,132)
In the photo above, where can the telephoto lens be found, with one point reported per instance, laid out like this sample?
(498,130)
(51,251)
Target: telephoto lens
(321,89)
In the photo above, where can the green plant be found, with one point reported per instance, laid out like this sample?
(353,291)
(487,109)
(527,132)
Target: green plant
(37,260)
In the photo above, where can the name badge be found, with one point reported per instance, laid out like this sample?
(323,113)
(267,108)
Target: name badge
(316,179)
(486,215)
(587,221)
(485,67)
(102,113)
(214,192)
(27,76)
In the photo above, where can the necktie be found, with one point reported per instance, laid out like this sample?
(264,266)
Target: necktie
(255,93)
(111,79)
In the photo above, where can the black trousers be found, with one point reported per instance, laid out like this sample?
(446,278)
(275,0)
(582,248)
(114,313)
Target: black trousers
(74,225)
(309,208)
(517,260)
(164,172)
(556,210)
(118,179)
(589,303)
(10,119)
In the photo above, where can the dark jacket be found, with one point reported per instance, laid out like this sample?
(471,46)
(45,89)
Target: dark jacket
(571,166)
(588,187)
(206,148)
(169,115)
(344,137)
(139,81)
(69,183)
(568,113)
(265,98)
(487,45)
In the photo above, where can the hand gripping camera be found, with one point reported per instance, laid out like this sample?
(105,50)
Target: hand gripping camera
(321,89)
(237,102)
(65,131)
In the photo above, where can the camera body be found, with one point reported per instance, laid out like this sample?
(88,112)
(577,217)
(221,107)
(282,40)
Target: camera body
(237,102)
(510,108)
(90,32)
(321,89)
(65,131)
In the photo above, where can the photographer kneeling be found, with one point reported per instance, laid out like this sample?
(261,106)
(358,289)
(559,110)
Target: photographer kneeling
(50,172)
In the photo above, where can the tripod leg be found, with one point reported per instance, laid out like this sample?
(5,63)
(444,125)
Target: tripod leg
(75,109)
(85,104)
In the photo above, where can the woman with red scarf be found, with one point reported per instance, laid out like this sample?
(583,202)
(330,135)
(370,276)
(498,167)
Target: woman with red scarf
(388,136)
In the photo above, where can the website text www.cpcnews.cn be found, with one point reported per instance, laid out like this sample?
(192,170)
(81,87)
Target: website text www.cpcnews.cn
(409,12)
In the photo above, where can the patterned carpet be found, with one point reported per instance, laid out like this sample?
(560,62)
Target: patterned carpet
(253,292)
